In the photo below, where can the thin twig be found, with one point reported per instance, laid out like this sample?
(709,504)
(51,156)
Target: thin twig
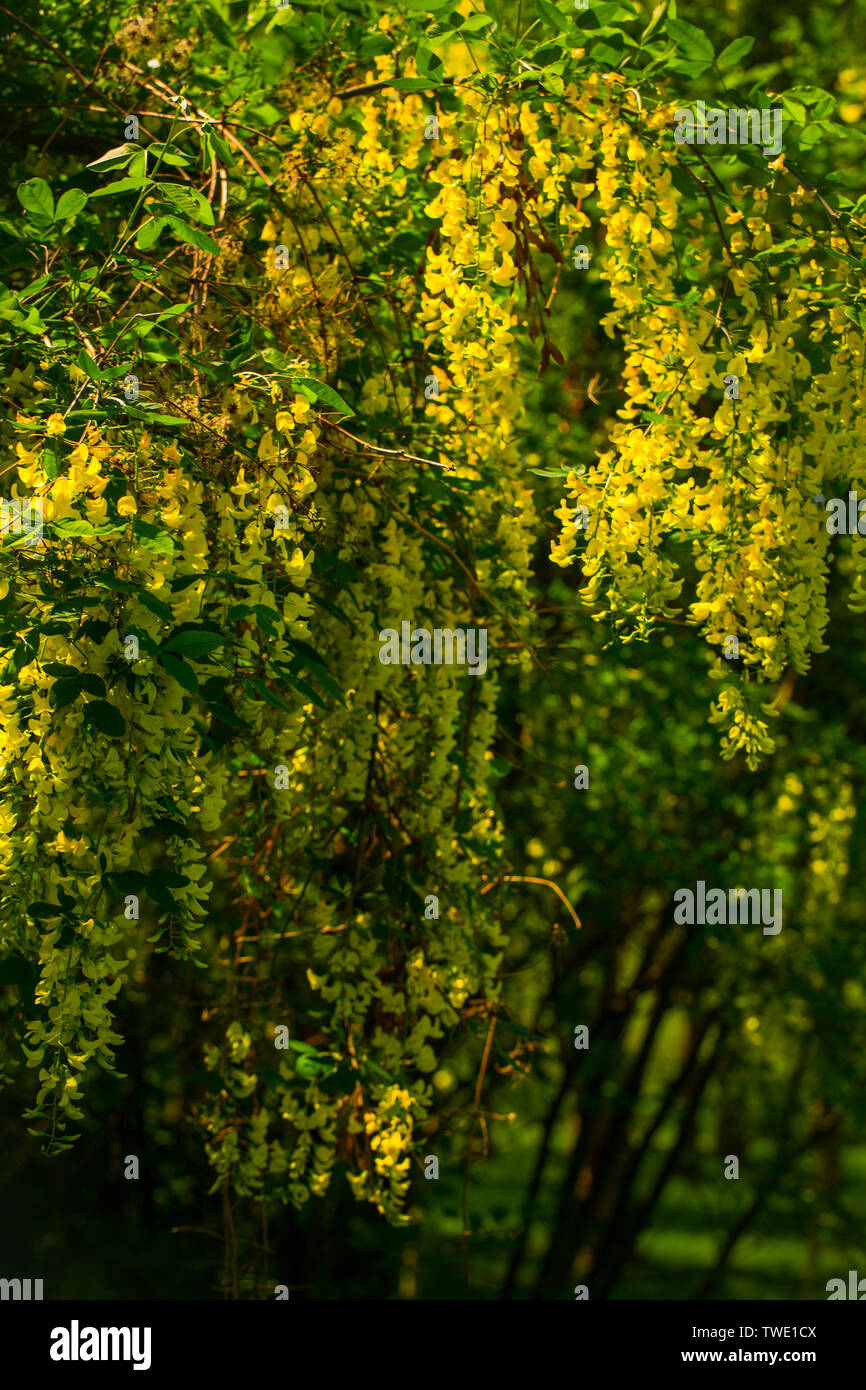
(526,878)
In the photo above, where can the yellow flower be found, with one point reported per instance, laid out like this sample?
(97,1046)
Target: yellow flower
(56,424)
(267,449)
(30,469)
(299,566)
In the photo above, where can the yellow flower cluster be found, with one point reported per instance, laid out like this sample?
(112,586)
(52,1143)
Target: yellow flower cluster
(728,427)
(109,789)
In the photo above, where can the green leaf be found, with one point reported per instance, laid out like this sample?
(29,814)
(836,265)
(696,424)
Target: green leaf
(429,64)
(735,50)
(150,231)
(179,671)
(267,619)
(117,586)
(160,895)
(105,717)
(129,880)
(26,649)
(214,689)
(312,1067)
(269,696)
(192,236)
(15,970)
(810,136)
(551,14)
(116,158)
(194,643)
(234,578)
(414,84)
(692,67)
(153,417)
(36,285)
(35,196)
(795,109)
(693,41)
(66,690)
(93,685)
(307,690)
(30,322)
(221,146)
(59,668)
(152,539)
(267,114)
(122,186)
(319,672)
(156,606)
(811,96)
(73,526)
(97,629)
(324,393)
(87,364)
(172,157)
(175,311)
(224,714)
(188,201)
(71,202)
(305,650)
(166,878)
(476,22)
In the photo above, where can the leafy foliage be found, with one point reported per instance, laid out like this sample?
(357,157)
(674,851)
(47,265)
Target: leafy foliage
(220,326)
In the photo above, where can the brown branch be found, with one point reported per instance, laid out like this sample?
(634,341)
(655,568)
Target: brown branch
(527,878)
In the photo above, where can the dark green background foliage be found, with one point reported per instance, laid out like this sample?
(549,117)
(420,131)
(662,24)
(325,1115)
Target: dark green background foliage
(615,1154)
